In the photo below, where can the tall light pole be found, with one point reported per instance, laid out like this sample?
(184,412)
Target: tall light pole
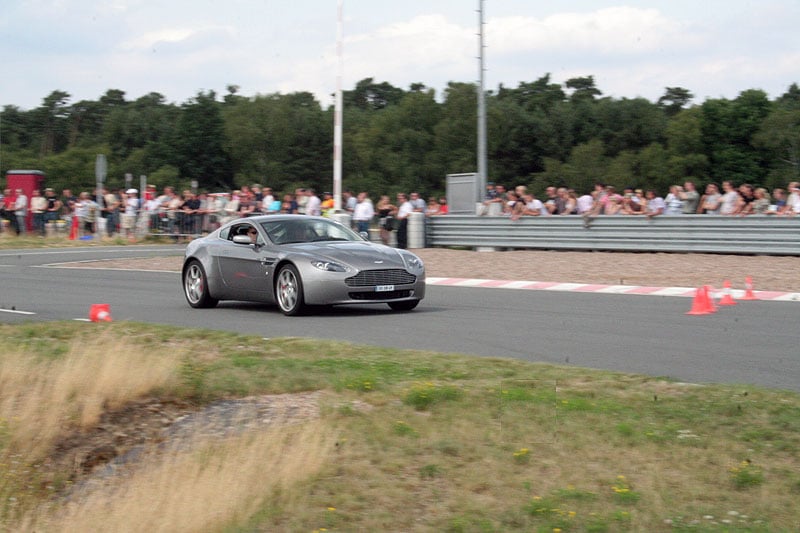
(482,166)
(337,115)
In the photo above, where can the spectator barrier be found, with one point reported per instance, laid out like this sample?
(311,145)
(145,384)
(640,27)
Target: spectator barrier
(753,234)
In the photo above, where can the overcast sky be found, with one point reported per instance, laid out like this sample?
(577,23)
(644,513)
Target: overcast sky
(636,48)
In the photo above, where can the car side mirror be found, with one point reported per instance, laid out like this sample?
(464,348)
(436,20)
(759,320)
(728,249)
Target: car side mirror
(364,235)
(242,239)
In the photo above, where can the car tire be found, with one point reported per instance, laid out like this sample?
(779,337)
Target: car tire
(195,286)
(406,305)
(289,291)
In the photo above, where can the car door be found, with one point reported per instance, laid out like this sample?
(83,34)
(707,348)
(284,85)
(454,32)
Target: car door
(245,268)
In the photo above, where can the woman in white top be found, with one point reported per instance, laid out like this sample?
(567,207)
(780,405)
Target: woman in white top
(673,205)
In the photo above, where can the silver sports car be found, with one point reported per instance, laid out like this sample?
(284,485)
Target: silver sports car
(298,261)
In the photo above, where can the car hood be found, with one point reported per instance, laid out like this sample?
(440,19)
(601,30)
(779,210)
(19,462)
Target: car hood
(361,255)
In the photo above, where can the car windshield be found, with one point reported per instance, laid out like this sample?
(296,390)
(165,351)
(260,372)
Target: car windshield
(303,229)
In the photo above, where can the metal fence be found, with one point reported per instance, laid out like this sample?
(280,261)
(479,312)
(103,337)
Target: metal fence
(755,234)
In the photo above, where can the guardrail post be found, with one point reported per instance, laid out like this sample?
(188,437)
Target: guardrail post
(416,230)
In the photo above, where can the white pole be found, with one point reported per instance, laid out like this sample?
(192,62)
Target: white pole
(337,116)
(482,165)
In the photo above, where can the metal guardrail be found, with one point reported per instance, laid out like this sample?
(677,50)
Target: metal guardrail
(755,234)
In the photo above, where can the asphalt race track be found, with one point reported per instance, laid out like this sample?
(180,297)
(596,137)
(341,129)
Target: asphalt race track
(751,343)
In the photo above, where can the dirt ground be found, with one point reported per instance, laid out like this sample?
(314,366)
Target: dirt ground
(606,268)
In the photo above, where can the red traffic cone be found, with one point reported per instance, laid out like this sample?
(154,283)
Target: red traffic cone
(699,306)
(748,289)
(100,313)
(73,230)
(727,298)
(709,299)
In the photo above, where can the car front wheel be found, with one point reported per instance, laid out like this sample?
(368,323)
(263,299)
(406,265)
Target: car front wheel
(289,291)
(195,286)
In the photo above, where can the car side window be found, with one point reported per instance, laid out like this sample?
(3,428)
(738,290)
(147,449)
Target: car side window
(246,230)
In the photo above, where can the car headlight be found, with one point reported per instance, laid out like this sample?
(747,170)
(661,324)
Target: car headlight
(412,261)
(329,266)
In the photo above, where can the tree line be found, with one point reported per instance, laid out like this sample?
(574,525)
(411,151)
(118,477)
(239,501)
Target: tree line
(539,133)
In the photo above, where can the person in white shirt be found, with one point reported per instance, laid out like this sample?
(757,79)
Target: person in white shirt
(38,207)
(313,204)
(363,212)
(405,209)
(86,211)
(21,211)
(793,201)
(131,204)
(731,202)
(655,204)
(673,204)
(533,206)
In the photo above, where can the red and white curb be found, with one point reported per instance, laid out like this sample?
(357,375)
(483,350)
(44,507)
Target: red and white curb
(774,296)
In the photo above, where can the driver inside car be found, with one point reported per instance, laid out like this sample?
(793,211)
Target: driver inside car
(253,234)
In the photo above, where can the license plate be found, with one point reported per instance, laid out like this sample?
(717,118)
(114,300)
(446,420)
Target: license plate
(384,288)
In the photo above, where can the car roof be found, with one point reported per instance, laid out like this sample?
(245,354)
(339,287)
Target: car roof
(278,218)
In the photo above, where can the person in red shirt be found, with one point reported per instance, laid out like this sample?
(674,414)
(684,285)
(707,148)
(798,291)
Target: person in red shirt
(443,209)
(9,200)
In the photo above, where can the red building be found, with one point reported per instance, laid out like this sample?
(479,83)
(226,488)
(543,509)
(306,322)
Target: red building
(28,181)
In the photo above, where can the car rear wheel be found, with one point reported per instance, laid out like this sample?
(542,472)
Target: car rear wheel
(406,305)
(289,291)
(195,286)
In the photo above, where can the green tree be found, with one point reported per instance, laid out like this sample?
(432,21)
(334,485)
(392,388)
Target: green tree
(456,132)
(280,140)
(526,125)
(780,135)
(623,171)
(630,124)
(395,152)
(369,95)
(200,153)
(587,165)
(654,169)
(675,99)
(540,95)
(51,121)
(687,158)
(583,88)
(728,130)
(142,134)
(16,127)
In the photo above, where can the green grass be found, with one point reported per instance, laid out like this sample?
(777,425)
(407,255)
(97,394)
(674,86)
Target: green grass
(454,443)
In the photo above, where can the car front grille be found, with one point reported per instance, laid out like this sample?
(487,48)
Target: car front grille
(389,295)
(389,276)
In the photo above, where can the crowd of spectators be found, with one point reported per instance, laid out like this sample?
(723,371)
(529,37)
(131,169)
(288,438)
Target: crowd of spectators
(606,200)
(126,212)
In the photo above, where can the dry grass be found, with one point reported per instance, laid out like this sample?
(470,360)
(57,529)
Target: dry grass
(205,488)
(41,399)
(423,442)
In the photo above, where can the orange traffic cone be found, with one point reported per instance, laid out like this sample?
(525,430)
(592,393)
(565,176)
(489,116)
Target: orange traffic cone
(100,313)
(709,299)
(73,231)
(727,298)
(748,289)
(699,305)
